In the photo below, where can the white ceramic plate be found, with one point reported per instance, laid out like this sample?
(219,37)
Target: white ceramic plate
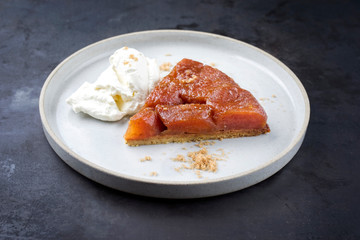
(97,150)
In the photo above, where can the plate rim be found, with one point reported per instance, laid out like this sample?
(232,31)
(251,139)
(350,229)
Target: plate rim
(297,139)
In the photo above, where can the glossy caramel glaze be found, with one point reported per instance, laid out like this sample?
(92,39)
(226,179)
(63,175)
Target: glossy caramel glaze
(196,98)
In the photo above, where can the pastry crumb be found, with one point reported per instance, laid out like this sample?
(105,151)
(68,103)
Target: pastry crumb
(200,160)
(274,96)
(168,54)
(126,48)
(198,174)
(212,64)
(153,174)
(146,158)
(201,144)
(222,153)
(179,158)
(165,66)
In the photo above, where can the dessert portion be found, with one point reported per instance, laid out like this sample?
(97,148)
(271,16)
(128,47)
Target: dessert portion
(195,102)
(120,90)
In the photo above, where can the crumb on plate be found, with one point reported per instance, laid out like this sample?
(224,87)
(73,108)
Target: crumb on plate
(200,160)
(201,144)
(146,158)
(153,174)
(165,66)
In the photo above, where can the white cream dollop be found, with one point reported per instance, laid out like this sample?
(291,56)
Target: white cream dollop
(121,89)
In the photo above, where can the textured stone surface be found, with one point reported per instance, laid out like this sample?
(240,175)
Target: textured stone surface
(316,196)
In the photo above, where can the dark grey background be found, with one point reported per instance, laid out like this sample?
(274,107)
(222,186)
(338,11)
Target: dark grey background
(316,196)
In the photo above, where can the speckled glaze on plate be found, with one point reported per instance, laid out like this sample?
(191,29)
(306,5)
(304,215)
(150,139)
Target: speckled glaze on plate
(97,149)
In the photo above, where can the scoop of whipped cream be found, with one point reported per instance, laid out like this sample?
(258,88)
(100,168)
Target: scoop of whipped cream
(120,90)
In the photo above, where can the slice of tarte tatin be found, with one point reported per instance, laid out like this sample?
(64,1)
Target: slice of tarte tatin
(196,102)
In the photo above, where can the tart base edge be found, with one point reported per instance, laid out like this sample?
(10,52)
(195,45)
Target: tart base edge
(193,137)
